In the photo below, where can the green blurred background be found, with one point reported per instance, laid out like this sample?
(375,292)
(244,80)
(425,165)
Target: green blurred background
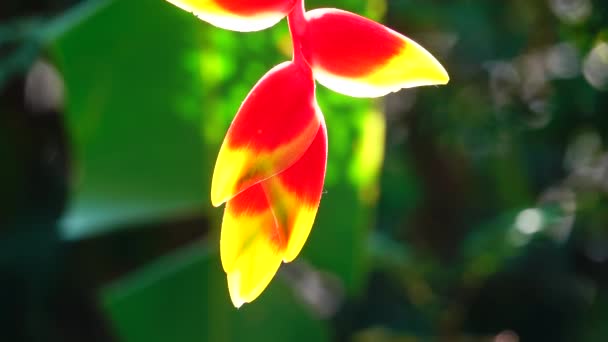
(475,211)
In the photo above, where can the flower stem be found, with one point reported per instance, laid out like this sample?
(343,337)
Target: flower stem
(297,27)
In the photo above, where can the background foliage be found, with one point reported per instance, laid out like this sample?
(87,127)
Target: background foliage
(474,211)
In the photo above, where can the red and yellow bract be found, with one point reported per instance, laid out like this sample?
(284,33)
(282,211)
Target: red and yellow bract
(271,166)
(238,15)
(358,57)
(273,128)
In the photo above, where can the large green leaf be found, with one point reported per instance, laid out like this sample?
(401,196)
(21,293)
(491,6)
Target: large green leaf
(138,155)
(184,298)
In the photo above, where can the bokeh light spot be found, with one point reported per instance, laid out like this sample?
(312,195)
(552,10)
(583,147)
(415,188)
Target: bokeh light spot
(529,221)
(595,66)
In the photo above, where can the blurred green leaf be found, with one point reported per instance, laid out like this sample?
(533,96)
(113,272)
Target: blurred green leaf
(184,297)
(136,159)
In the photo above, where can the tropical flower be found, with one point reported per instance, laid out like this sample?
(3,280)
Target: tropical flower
(271,165)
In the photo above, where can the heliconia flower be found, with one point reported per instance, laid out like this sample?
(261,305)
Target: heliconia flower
(271,166)
(270,169)
(238,15)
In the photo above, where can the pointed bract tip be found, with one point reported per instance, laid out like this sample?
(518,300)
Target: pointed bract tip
(430,71)
(234,280)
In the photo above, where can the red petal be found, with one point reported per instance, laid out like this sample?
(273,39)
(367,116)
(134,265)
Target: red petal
(356,56)
(273,128)
(238,15)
